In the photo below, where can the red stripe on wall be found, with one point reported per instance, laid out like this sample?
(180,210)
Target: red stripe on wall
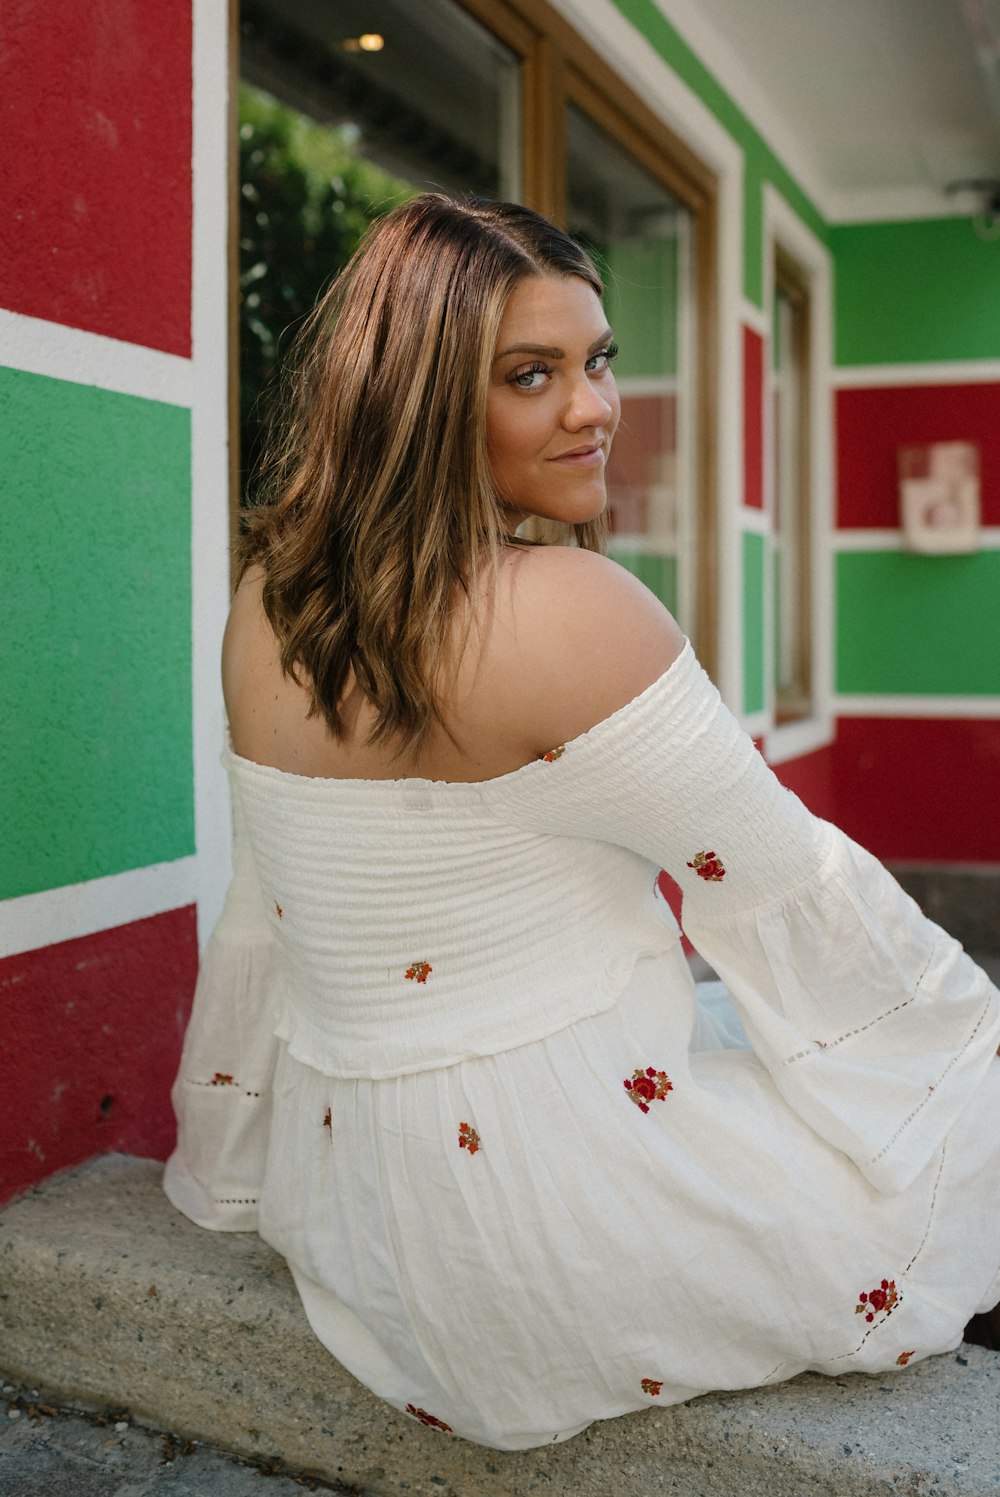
(753,419)
(90,1044)
(96,224)
(873,423)
(920,790)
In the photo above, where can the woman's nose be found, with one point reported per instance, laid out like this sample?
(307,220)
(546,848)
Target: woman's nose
(587,406)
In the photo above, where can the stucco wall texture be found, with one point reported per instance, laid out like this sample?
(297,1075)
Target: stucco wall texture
(95,230)
(96,719)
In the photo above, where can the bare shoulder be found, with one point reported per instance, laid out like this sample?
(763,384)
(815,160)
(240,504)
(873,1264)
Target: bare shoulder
(249,643)
(587,638)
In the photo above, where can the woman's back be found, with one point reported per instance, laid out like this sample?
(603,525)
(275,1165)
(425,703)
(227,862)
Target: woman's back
(562,640)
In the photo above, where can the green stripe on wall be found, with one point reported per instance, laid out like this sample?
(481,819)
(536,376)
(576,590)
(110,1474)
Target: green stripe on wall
(918,624)
(753,622)
(95,726)
(659,573)
(761,163)
(916,292)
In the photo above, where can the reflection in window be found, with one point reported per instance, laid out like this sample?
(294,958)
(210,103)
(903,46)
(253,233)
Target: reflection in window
(640,236)
(335,130)
(790,500)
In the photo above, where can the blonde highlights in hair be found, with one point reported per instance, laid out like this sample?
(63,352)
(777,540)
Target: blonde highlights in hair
(381,515)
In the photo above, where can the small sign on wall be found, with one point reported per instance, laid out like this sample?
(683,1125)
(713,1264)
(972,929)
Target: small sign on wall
(939,498)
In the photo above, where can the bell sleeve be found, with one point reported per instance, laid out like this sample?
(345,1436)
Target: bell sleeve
(873,1023)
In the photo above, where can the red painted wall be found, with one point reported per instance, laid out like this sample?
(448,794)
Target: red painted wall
(95,213)
(873,423)
(90,1044)
(753,419)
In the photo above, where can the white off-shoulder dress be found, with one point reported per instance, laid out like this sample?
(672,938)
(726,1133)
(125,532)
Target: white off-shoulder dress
(446,1056)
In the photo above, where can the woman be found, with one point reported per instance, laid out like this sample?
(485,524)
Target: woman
(446,1054)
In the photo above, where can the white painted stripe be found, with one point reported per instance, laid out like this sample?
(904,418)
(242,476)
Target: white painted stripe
(900,376)
(757,521)
(210,454)
(35,920)
(755,318)
(892,540)
(67,353)
(757,724)
(642,545)
(917,706)
(792,740)
(647,385)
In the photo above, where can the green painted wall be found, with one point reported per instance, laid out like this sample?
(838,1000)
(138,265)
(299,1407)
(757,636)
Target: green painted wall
(641,293)
(916,292)
(753,622)
(761,163)
(918,624)
(659,573)
(95,726)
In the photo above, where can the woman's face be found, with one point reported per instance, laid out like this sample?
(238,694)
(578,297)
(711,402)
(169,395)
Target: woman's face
(552,407)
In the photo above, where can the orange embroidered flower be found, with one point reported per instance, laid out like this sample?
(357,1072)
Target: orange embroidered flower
(880,1301)
(903,1358)
(328,1120)
(220,1079)
(651,1386)
(554,754)
(419,971)
(648,1086)
(708,866)
(428,1419)
(468,1138)
(280,911)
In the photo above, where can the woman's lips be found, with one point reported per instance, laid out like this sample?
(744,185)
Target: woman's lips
(591,456)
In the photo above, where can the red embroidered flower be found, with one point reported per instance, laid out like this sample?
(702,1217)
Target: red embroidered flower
(428,1419)
(903,1358)
(554,754)
(708,866)
(880,1301)
(651,1386)
(280,911)
(220,1079)
(419,971)
(328,1120)
(648,1086)
(468,1138)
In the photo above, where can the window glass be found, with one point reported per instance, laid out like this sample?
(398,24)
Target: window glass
(640,236)
(347,107)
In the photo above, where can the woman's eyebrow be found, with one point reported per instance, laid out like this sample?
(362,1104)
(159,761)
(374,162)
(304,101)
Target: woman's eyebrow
(544,350)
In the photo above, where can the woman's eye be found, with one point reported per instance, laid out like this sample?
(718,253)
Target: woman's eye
(602,360)
(530,378)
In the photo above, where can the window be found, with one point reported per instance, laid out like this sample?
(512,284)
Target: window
(791,533)
(360,102)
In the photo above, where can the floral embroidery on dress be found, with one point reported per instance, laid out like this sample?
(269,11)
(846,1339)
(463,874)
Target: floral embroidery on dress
(468,1138)
(554,754)
(221,1079)
(708,865)
(880,1301)
(428,1419)
(651,1386)
(328,1120)
(279,909)
(419,971)
(648,1086)
(904,1357)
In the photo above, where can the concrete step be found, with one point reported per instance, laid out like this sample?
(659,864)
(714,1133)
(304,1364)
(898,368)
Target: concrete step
(108,1296)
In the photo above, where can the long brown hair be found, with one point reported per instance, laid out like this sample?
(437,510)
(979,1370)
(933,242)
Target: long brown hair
(380,512)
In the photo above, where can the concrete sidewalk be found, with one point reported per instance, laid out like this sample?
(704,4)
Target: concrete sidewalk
(110,1296)
(46,1451)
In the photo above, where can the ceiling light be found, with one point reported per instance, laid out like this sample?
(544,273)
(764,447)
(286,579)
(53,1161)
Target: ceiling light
(368,41)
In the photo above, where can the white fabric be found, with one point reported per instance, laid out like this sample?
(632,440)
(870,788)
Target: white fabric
(589,1257)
